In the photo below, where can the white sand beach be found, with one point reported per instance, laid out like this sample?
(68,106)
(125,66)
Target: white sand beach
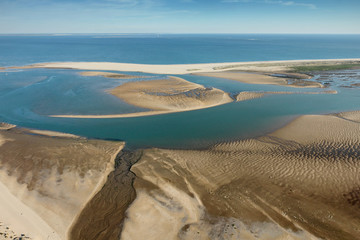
(260,66)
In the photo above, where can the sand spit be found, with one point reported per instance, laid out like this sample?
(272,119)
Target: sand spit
(261,66)
(6,126)
(52,133)
(108,75)
(301,182)
(122,115)
(243,96)
(262,78)
(163,96)
(46,181)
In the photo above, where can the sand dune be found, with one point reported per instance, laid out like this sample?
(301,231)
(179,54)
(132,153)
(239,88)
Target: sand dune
(46,181)
(261,66)
(301,182)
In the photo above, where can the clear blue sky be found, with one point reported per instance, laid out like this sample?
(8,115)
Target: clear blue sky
(180,16)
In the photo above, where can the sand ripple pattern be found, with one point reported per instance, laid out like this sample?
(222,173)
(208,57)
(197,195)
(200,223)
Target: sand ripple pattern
(302,181)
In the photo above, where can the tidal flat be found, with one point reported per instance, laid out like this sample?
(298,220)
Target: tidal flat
(65,176)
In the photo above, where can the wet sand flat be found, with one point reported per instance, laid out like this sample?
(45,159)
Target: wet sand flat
(300,182)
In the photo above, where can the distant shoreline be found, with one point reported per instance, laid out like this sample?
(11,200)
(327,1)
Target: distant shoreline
(261,72)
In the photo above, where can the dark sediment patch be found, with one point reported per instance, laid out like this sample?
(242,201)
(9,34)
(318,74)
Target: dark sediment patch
(291,75)
(103,216)
(300,82)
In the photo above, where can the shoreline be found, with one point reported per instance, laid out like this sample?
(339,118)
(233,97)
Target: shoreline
(255,66)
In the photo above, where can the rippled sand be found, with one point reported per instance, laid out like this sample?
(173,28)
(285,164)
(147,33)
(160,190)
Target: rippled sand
(301,182)
(352,116)
(173,94)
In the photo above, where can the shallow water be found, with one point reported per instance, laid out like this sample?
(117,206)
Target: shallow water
(29,96)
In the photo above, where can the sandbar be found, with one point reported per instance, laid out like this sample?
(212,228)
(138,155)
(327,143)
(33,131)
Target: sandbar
(52,133)
(173,94)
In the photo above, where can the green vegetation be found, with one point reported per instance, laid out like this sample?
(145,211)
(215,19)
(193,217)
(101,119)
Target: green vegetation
(325,67)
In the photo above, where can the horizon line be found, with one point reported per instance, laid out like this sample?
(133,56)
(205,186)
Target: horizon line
(164,33)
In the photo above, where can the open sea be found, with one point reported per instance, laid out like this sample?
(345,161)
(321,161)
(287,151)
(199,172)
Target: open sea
(27,97)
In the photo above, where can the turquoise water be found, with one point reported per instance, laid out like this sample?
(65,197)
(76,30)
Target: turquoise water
(28,97)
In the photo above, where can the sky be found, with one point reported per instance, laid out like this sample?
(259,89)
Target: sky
(180,16)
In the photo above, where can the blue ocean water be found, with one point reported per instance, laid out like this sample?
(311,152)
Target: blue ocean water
(27,97)
(175,49)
